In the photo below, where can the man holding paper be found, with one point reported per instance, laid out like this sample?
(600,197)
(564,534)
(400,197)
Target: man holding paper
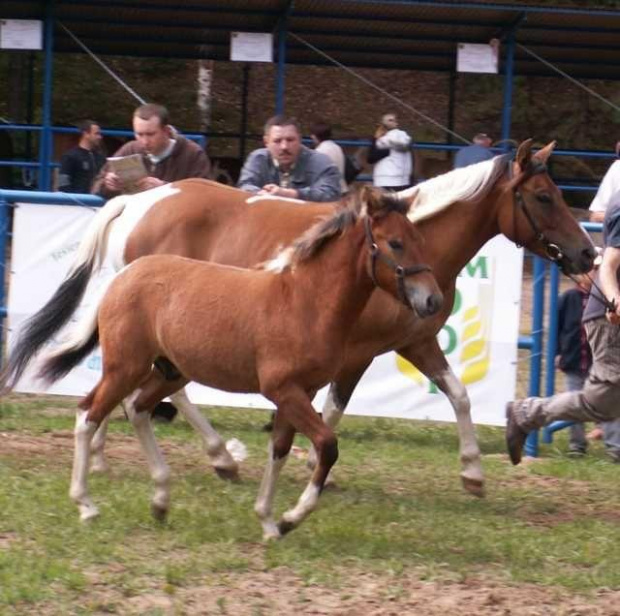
(165,155)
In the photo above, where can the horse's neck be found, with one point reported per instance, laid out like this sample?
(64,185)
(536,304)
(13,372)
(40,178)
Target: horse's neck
(337,281)
(455,236)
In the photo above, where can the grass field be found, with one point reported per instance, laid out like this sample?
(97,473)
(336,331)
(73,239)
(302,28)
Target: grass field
(395,534)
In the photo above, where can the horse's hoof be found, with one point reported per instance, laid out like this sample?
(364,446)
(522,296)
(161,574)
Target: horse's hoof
(285,527)
(88,513)
(99,467)
(159,512)
(227,474)
(474,486)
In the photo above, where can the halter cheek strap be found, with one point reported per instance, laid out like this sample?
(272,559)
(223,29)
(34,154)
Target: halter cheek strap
(400,272)
(554,252)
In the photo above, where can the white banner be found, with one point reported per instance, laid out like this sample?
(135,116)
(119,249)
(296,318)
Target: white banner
(479,339)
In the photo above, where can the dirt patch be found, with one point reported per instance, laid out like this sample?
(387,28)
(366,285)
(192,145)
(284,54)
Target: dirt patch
(279,592)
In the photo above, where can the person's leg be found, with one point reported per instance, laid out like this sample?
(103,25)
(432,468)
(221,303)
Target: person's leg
(598,401)
(578,443)
(611,437)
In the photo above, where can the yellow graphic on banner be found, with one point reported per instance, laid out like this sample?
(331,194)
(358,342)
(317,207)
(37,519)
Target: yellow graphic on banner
(466,338)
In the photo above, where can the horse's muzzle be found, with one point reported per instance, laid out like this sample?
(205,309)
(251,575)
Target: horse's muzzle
(423,303)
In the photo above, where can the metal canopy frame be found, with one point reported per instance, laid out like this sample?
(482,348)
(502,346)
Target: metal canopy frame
(419,35)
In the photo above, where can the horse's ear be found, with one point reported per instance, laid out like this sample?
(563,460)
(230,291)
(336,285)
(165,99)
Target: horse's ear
(371,200)
(543,154)
(524,154)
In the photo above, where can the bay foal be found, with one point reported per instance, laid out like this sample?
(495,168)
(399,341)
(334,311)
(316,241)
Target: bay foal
(280,331)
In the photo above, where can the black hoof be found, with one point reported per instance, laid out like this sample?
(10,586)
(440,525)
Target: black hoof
(159,513)
(227,474)
(285,527)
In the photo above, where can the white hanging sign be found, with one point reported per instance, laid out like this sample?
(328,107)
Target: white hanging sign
(475,58)
(21,34)
(251,47)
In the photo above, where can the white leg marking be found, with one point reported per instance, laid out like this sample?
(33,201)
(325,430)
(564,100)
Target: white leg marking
(333,410)
(78,492)
(305,505)
(471,475)
(160,472)
(212,441)
(263,506)
(98,462)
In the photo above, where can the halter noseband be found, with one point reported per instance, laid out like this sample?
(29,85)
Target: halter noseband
(400,272)
(554,252)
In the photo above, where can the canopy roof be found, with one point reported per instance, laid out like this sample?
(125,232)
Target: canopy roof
(397,34)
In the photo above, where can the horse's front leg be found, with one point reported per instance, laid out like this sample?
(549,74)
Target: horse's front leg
(294,407)
(428,358)
(338,396)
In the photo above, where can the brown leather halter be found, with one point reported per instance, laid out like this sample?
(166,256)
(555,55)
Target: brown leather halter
(554,252)
(400,272)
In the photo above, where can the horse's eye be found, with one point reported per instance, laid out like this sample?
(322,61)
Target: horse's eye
(544,197)
(395,244)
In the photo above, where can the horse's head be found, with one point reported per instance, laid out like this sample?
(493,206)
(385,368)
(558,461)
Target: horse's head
(537,216)
(396,251)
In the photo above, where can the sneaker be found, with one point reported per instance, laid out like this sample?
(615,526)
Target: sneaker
(515,436)
(576,453)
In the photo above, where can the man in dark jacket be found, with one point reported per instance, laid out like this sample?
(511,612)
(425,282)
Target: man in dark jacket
(80,165)
(167,156)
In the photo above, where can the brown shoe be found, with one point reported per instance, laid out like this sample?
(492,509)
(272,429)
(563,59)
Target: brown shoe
(515,436)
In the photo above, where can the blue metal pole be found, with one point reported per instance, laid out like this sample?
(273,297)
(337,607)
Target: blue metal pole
(45,143)
(508,78)
(531,444)
(282,31)
(552,336)
(4,232)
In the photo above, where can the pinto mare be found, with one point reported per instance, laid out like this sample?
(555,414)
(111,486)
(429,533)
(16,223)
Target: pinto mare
(280,331)
(457,213)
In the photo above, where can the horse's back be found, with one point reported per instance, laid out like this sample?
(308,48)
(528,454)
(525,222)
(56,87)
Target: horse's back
(208,221)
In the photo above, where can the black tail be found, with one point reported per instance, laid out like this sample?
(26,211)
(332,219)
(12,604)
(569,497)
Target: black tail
(57,366)
(40,328)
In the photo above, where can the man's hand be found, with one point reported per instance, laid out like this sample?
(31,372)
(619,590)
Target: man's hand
(274,189)
(614,316)
(150,182)
(112,182)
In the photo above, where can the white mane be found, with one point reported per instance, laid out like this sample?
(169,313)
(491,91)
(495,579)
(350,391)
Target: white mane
(465,184)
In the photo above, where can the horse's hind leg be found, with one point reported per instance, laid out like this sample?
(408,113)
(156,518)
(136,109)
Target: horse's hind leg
(427,357)
(157,388)
(92,410)
(98,462)
(160,471)
(277,454)
(83,433)
(222,461)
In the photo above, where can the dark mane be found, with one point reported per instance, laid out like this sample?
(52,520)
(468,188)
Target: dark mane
(319,234)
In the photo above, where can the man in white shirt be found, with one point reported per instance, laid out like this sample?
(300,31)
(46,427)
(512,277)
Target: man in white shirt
(609,191)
